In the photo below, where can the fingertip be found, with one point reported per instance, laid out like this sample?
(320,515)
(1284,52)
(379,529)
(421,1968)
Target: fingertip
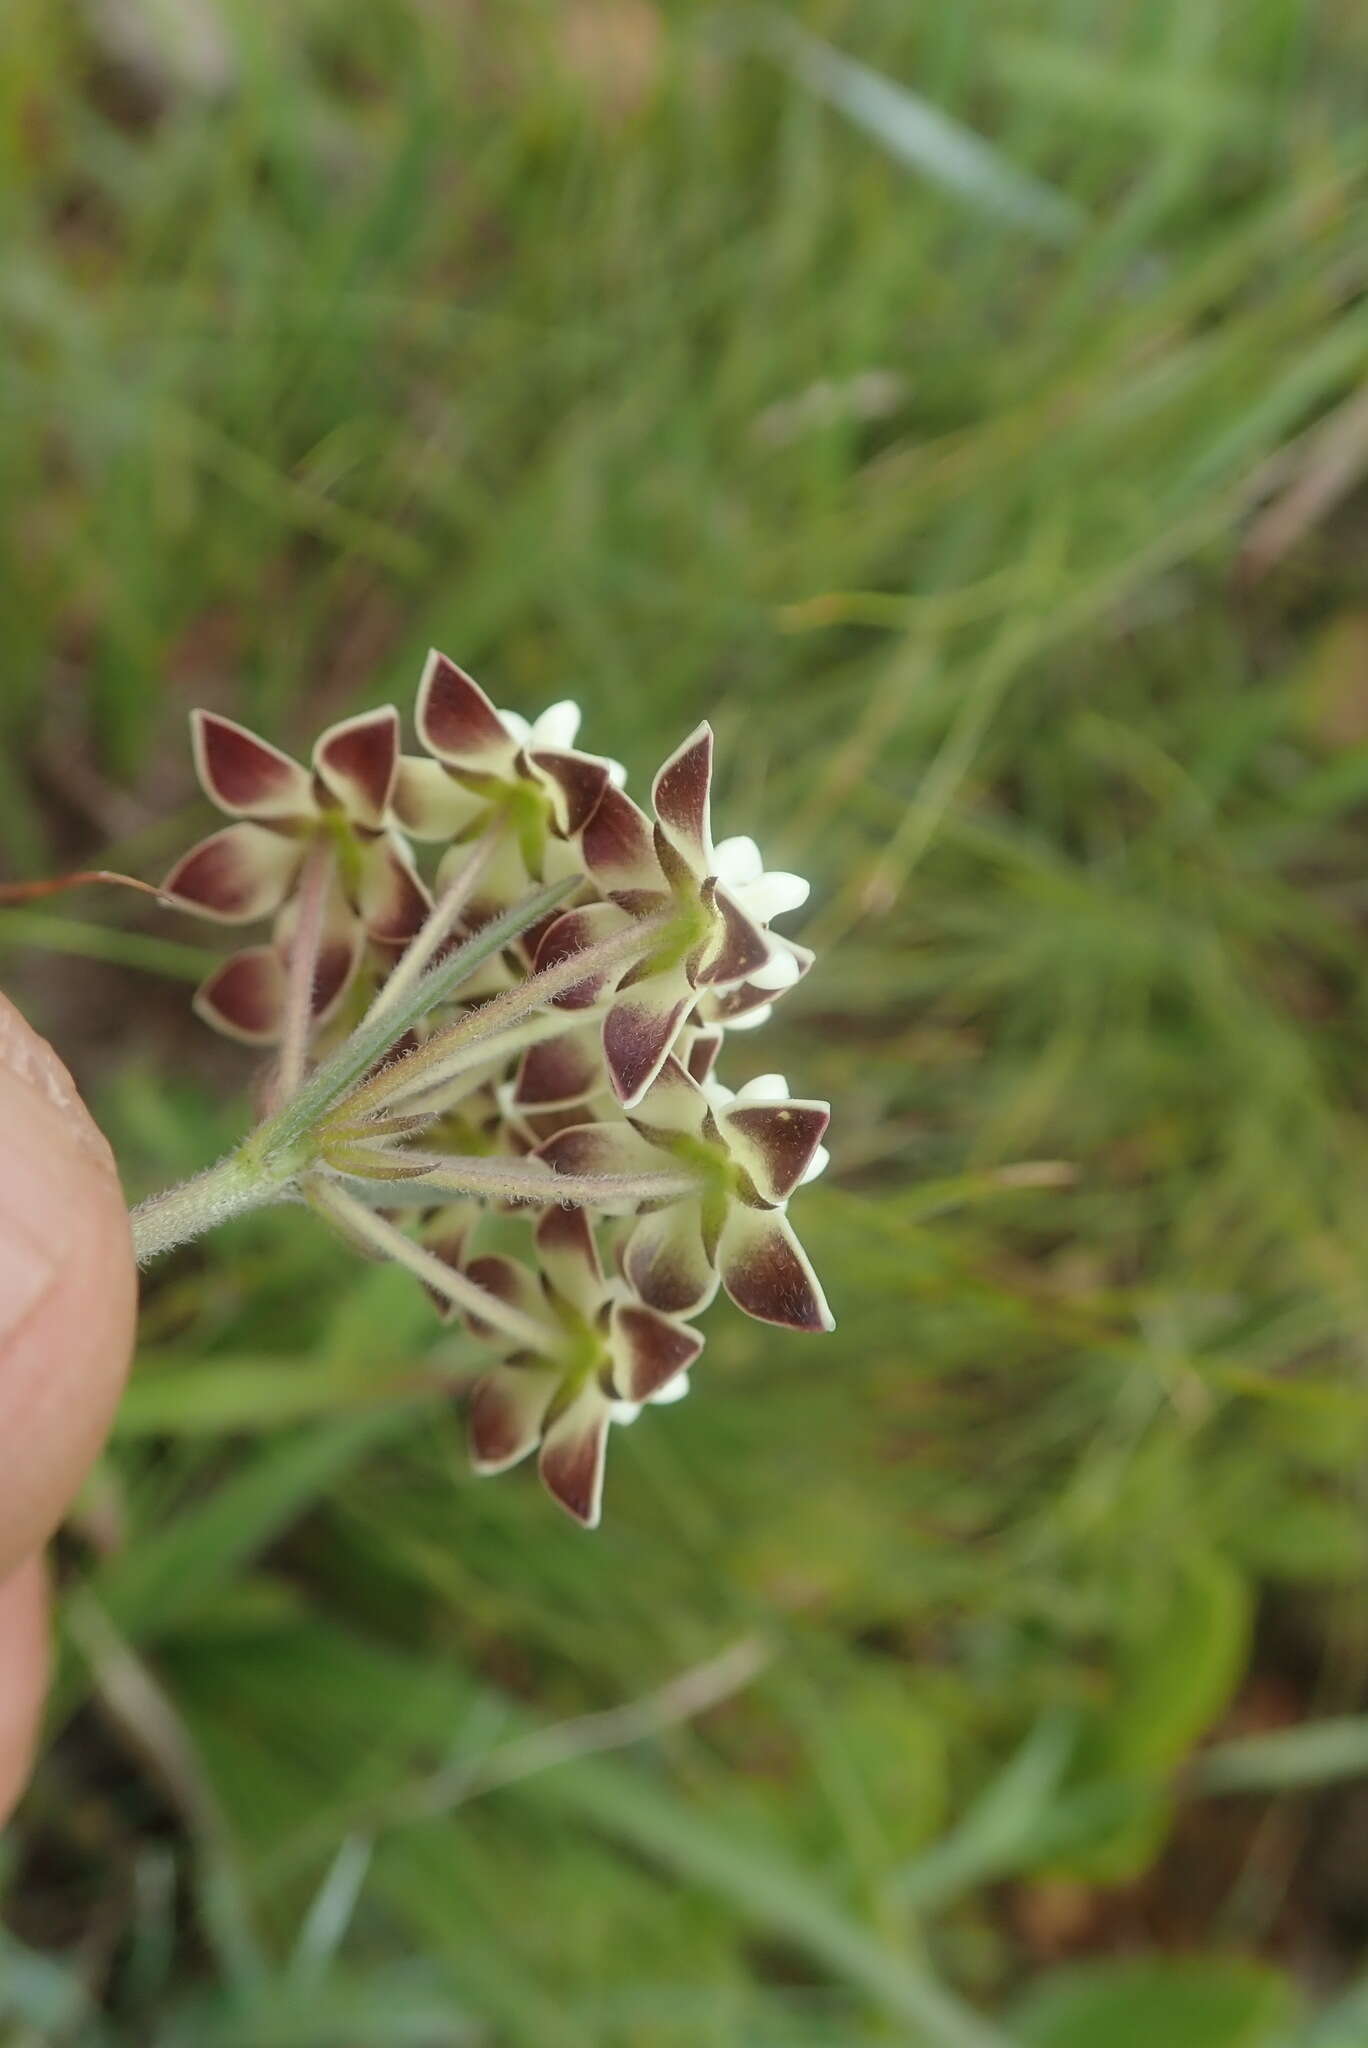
(24,1659)
(67,1290)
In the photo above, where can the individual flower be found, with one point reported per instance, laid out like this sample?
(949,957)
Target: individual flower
(604,1355)
(251,868)
(712,905)
(749,1152)
(521,791)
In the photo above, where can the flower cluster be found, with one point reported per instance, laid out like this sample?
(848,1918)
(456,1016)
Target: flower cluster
(558,992)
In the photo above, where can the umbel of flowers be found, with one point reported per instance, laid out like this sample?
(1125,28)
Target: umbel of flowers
(513,1032)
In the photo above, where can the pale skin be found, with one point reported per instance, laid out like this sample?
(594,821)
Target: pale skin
(68,1292)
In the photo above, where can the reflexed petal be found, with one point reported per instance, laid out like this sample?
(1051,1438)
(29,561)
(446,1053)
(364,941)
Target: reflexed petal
(767,1273)
(569,1258)
(680,796)
(640,1029)
(572,1453)
(748,1004)
(737,861)
(339,955)
(649,1349)
(559,1072)
(507,1408)
(602,1148)
(358,760)
(235,875)
(511,1282)
(618,848)
(245,997)
(570,934)
(739,947)
(246,776)
(457,722)
(704,1046)
(666,1261)
(391,901)
(429,803)
(774,1142)
(576,783)
(673,1105)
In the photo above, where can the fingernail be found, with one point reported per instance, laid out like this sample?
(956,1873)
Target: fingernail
(31,1060)
(26,1273)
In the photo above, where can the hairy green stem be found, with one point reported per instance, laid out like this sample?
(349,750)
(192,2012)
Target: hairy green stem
(363,1225)
(236,1184)
(423,947)
(426,1068)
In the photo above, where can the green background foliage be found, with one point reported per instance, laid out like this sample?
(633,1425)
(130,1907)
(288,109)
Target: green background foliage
(972,1676)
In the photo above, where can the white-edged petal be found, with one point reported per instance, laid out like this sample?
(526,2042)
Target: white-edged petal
(749,1020)
(518,727)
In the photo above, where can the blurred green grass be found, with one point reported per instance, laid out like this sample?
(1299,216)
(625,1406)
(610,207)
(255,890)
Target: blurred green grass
(1000,510)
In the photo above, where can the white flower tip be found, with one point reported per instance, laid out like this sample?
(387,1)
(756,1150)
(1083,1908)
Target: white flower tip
(672,1391)
(779,972)
(737,861)
(517,726)
(764,1088)
(751,1020)
(558,725)
(818,1164)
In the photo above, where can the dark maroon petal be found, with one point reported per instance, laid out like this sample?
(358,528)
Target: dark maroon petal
(600,1149)
(617,845)
(578,783)
(559,1072)
(338,959)
(680,796)
(666,1262)
(511,1283)
(504,1420)
(244,775)
(358,760)
(392,902)
(236,875)
(651,1349)
(457,722)
(703,1054)
(775,1141)
(766,1271)
(738,947)
(572,1455)
(245,997)
(572,933)
(638,1032)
